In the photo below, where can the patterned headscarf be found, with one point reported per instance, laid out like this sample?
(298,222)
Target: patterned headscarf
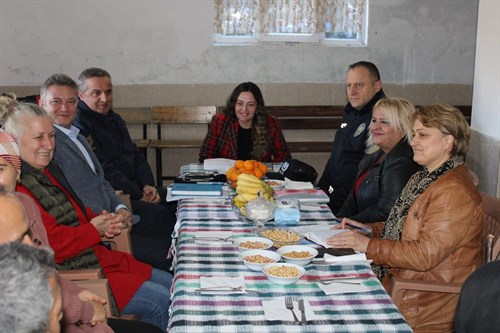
(9,150)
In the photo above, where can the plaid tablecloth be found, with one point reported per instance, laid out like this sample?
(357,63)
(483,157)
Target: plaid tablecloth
(192,311)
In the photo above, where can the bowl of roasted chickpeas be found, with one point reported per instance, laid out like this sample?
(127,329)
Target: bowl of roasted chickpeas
(281,236)
(283,273)
(253,243)
(297,254)
(256,259)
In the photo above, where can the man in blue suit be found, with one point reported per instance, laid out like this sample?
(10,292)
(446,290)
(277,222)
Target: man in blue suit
(151,237)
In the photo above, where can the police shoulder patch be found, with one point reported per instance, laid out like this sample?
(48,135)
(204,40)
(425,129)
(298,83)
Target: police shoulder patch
(360,130)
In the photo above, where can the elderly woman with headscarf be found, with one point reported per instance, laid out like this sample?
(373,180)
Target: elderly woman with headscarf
(433,232)
(74,232)
(83,310)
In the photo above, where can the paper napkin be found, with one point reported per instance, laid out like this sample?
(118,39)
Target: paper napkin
(347,259)
(295,185)
(221,281)
(275,309)
(209,237)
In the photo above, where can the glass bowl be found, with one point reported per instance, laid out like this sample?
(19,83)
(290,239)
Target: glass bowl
(281,236)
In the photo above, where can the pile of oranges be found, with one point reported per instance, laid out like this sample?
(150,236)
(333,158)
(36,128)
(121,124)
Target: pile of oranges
(251,167)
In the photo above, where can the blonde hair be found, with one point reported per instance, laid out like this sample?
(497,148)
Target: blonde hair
(449,120)
(399,113)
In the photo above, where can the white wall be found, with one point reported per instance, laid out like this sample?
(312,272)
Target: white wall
(169,41)
(484,153)
(486,92)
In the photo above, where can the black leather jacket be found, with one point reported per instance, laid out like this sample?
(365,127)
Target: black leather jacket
(382,185)
(347,151)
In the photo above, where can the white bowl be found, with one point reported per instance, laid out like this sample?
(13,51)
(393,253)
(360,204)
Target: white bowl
(238,241)
(297,248)
(283,280)
(276,184)
(254,266)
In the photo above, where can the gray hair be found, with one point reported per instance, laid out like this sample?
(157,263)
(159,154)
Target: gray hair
(58,79)
(12,114)
(26,298)
(88,74)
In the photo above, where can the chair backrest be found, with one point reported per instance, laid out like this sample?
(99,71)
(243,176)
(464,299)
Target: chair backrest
(491,228)
(183,114)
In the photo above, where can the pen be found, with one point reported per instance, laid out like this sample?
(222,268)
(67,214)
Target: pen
(365,230)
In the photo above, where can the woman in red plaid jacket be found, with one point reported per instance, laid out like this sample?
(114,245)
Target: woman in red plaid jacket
(245,131)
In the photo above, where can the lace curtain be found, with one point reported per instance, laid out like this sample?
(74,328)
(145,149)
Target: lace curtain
(342,18)
(236,17)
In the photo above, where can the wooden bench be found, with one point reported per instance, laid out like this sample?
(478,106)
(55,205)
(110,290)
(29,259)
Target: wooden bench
(140,116)
(302,117)
(162,115)
(309,117)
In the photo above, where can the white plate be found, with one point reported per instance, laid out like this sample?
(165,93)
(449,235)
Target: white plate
(276,184)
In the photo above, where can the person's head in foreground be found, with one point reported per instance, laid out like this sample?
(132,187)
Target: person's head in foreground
(30,298)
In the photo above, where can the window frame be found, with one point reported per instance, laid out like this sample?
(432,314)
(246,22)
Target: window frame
(318,38)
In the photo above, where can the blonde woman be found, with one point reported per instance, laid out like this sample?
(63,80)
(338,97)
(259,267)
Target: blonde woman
(387,166)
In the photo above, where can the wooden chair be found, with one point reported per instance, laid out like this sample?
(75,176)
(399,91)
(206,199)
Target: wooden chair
(93,279)
(491,232)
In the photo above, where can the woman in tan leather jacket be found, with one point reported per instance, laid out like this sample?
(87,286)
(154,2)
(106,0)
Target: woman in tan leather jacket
(433,231)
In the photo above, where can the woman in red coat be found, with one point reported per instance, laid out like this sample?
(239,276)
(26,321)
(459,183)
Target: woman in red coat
(245,131)
(74,232)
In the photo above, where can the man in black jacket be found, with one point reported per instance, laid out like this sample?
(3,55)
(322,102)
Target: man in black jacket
(125,167)
(363,90)
(151,237)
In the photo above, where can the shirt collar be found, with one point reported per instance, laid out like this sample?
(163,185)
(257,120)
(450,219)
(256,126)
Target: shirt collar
(72,132)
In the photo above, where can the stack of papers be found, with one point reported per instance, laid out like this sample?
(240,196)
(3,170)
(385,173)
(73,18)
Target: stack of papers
(218,164)
(295,185)
(304,195)
(195,194)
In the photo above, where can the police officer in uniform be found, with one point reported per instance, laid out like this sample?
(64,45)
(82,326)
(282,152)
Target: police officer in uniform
(363,90)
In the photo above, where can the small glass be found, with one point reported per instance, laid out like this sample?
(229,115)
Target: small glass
(260,211)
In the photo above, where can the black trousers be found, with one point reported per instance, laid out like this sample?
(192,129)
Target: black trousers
(152,236)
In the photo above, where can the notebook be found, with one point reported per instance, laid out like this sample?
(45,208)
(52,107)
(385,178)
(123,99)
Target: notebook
(200,189)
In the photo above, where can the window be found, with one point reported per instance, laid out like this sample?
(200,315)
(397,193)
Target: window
(329,22)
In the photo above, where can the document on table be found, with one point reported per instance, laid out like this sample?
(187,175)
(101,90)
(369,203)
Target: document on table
(318,233)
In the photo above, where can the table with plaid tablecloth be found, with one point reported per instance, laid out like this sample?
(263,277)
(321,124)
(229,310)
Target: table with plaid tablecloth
(193,311)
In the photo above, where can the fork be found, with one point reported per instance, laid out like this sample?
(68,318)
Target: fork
(224,288)
(209,238)
(326,283)
(289,306)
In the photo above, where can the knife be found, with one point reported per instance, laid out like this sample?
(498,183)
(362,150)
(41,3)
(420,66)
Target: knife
(302,309)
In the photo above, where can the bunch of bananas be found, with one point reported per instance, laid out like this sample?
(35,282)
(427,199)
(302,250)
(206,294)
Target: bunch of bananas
(249,188)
